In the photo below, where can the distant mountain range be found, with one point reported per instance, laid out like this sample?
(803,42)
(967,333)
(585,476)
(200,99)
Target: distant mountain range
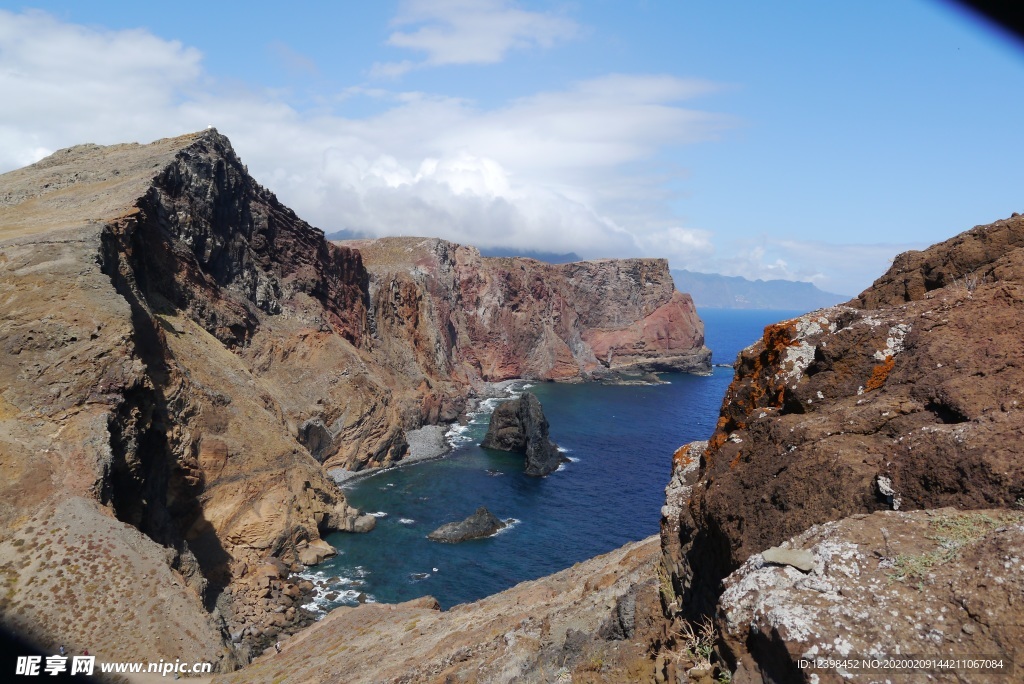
(714,291)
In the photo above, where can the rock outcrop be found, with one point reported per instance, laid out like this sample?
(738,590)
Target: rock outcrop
(938,583)
(519,425)
(908,397)
(481,524)
(159,307)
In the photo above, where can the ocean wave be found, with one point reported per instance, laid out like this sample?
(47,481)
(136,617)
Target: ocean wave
(407,521)
(564,450)
(379,514)
(509,524)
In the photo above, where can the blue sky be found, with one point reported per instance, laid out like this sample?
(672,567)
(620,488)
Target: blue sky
(802,140)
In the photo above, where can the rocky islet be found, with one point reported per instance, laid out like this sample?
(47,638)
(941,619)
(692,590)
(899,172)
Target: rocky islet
(481,523)
(519,425)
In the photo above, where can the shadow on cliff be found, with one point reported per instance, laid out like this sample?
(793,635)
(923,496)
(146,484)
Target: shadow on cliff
(149,486)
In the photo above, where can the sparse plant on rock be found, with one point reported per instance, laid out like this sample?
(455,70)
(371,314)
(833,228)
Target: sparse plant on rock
(952,533)
(698,643)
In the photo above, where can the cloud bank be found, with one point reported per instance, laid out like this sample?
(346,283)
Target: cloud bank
(582,169)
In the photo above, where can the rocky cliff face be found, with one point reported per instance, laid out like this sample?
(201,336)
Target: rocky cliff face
(907,398)
(498,318)
(183,356)
(150,470)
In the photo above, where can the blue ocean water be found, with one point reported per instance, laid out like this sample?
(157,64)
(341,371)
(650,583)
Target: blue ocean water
(620,440)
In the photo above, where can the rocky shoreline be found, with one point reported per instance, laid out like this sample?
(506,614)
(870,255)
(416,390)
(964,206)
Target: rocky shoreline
(432,442)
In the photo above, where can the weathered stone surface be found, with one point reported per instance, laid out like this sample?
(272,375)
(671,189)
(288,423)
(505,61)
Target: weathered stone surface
(482,523)
(519,425)
(853,410)
(938,584)
(801,559)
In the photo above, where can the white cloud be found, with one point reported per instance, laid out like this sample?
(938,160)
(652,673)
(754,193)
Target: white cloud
(59,80)
(469,32)
(544,172)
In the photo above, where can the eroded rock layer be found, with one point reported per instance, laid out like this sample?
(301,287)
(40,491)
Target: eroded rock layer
(909,397)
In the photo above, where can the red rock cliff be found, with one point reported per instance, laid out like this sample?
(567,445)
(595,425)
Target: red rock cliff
(492,319)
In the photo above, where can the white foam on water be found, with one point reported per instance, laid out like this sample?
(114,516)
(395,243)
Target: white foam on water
(346,588)
(379,514)
(509,524)
(407,521)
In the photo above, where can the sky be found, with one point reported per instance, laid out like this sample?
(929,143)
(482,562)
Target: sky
(801,140)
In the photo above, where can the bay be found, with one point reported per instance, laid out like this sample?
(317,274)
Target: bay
(620,440)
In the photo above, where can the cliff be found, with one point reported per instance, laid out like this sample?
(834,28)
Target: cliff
(149,461)
(907,398)
(183,357)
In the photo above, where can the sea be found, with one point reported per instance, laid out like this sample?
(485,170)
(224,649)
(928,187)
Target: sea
(619,441)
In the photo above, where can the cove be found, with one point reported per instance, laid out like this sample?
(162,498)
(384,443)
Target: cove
(619,439)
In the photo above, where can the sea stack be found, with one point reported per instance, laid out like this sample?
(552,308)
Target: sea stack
(519,425)
(483,523)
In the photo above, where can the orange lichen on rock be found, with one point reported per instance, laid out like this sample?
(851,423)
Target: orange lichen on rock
(682,458)
(879,374)
(736,461)
(720,436)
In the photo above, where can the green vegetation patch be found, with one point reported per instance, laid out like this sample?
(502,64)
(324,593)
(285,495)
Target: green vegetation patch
(952,533)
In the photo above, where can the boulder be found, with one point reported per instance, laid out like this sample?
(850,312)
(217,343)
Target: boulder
(519,425)
(483,523)
(315,552)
